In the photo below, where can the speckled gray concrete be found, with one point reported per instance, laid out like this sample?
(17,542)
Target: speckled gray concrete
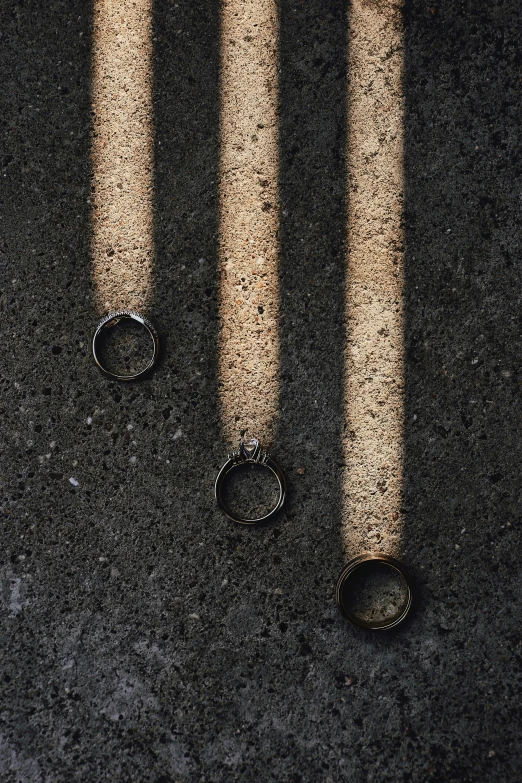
(144,637)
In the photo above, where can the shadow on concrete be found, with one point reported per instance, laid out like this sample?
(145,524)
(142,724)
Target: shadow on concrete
(312,249)
(47,317)
(463,160)
(313,90)
(186,117)
(145,636)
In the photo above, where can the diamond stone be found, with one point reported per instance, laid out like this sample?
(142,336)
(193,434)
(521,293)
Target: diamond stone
(250,447)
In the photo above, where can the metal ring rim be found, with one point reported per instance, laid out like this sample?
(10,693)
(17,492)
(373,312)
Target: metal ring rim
(348,571)
(228,467)
(148,326)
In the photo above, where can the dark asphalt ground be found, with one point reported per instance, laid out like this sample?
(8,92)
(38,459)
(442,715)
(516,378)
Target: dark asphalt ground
(144,636)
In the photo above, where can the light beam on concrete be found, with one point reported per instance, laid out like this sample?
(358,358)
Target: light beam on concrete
(122,154)
(374,366)
(249,218)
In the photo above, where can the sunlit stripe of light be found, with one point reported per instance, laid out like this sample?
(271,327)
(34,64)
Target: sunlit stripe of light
(122,154)
(248,249)
(374,367)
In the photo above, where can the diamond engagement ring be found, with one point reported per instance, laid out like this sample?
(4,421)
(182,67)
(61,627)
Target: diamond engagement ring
(249,453)
(111,321)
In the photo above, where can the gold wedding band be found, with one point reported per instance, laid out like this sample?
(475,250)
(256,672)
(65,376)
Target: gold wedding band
(345,582)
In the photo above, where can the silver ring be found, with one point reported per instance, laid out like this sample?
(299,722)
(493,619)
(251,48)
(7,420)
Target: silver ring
(249,453)
(344,580)
(112,319)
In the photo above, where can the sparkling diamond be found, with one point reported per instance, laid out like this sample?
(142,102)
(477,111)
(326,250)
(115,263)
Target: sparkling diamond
(250,447)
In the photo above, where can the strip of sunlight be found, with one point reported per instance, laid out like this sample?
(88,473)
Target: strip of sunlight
(122,154)
(374,367)
(249,219)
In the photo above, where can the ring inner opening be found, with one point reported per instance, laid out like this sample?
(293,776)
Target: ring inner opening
(375,593)
(124,347)
(250,491)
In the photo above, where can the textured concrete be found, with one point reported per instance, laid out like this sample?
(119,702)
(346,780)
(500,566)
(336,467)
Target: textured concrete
(248,346)
(122,154)
(144,637)
(374,342)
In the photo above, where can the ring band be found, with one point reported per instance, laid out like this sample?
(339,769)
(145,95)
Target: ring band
(112,319)
(349,571)
(249,454)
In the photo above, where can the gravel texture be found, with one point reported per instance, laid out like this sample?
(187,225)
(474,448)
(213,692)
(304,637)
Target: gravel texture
(145,637)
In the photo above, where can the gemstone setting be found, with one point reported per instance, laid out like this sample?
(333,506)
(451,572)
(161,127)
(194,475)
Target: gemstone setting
(249,450)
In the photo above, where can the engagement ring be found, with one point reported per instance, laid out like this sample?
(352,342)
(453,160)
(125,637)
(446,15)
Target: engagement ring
(249,453)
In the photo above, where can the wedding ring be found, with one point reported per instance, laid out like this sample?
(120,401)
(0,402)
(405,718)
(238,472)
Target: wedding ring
(249,453)
(356,568)
(111,321)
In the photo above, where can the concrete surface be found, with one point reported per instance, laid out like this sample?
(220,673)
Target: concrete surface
(374,365)
(249,219)
(122,120)
(144,637)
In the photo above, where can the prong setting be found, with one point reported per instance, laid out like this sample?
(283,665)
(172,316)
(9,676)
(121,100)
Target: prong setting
(249,451)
